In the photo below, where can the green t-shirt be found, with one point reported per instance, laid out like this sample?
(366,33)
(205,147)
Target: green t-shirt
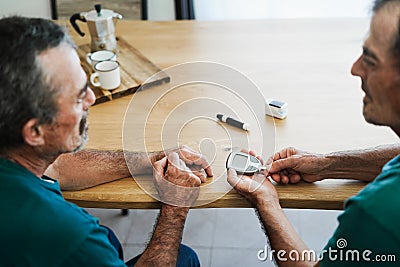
(39,228)
(369,228)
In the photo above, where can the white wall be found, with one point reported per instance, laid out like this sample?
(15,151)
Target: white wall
(220,9)
(259,9)
(30,8)
(161,9)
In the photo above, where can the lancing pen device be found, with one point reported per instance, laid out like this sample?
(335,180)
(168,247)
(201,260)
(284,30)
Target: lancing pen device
(233,122)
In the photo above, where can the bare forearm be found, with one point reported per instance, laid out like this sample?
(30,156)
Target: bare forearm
(88,168)
(362,165)
(287,246)
(163,247)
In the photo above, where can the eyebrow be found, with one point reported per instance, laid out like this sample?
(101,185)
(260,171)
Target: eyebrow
(369,53)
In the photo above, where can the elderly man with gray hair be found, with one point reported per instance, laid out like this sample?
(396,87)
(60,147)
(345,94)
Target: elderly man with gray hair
(43,114)
(368,233)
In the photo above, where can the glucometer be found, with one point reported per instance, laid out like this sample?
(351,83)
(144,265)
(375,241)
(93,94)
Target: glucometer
(244,163)
(275,108)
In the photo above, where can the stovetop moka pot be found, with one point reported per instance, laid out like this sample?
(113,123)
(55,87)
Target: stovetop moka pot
(101,24)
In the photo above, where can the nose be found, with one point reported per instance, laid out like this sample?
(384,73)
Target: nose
(357,68)
(90,98)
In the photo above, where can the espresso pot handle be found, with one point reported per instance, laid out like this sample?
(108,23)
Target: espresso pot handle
(73,19)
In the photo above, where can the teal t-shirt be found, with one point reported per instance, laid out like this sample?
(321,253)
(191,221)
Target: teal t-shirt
(39,228)
(369,228)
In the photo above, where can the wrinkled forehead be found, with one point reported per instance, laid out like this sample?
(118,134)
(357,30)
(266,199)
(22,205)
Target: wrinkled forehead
(61,67)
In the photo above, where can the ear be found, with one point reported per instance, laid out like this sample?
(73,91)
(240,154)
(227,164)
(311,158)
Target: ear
(32,133)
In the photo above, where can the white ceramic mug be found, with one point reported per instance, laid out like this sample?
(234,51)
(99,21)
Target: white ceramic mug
(107,73)
(98,56)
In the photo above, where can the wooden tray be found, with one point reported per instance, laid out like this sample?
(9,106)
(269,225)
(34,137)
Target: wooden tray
(135,70)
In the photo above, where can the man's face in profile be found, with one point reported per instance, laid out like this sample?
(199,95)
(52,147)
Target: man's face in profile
(68,131)
(379,70)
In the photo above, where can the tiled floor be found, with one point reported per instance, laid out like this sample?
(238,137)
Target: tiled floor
(221,237)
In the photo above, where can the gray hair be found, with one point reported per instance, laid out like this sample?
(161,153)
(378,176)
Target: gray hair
(25,94)
(378,5)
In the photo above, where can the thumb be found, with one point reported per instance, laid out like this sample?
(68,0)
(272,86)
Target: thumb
(281,164)
(232,177)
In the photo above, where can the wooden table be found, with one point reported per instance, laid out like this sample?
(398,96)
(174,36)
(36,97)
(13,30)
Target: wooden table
(303,62)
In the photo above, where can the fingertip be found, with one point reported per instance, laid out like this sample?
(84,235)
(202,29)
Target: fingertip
(277,165)
(252,152)
(244,151)
(207,168)
(271,169)
(275,177)
(295,178)
(202,177)
(198,181)
(276,156)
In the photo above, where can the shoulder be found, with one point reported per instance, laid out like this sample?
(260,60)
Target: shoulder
(359,240)
(380,199)
(39,215)
(385,188)
(39,221)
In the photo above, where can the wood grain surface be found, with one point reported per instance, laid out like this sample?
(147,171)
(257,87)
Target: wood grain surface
(126,194)
(135,70)
(304,62)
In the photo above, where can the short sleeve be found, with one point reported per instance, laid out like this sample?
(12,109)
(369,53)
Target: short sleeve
(95,250)
(360,240)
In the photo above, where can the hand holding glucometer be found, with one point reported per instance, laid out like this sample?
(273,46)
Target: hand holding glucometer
(244,163)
